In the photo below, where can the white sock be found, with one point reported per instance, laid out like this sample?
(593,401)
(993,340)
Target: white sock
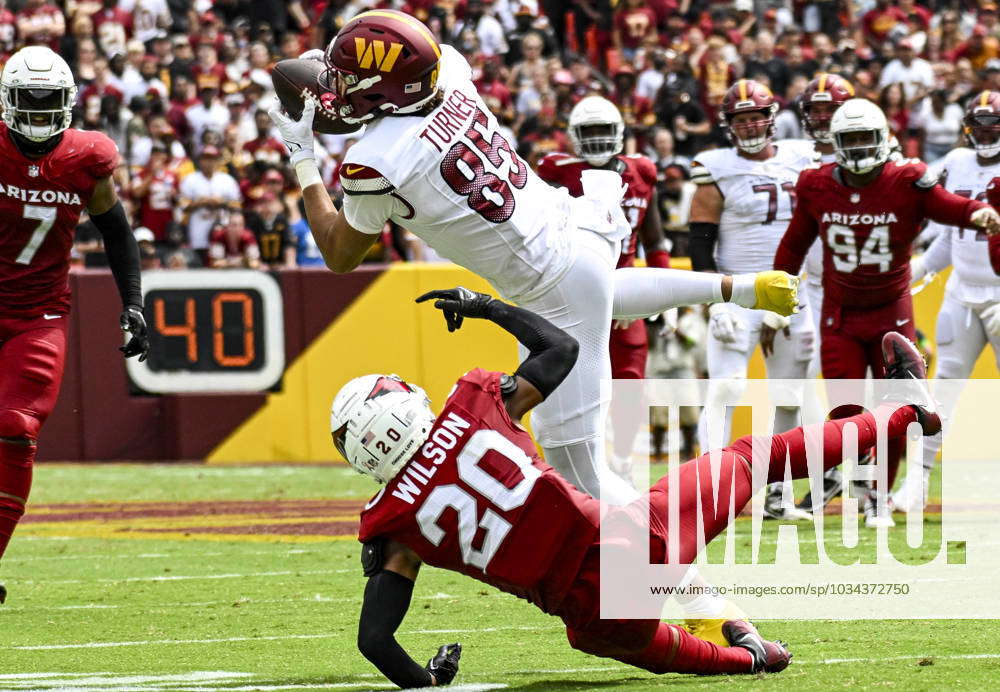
(704,606)
(644,292)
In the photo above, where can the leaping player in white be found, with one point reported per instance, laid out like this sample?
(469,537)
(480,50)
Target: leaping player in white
(432,159)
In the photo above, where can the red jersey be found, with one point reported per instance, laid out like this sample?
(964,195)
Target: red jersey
(477,499)
(40,204)
(639,177)
(156,209)
(866,232)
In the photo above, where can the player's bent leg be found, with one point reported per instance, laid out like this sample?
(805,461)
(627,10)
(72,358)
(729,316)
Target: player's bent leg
(583,465)
(727,368)
(18,432)
(628,348)
(659,648)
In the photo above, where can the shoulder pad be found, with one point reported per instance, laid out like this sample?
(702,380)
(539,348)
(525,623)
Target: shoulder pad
(372,557)
(357,179)
(700,175)
(508,384)
(926,181)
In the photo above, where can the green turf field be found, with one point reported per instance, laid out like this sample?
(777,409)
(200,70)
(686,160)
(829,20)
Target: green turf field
(188,577)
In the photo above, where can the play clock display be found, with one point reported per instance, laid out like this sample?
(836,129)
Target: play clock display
(211,331)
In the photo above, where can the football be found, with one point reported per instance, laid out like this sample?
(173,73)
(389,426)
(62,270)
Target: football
(294,76)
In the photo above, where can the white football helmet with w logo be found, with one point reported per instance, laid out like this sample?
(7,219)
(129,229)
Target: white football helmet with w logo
(37,91)
(378,423)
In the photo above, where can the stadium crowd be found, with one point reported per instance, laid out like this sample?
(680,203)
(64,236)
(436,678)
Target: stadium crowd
(179,85)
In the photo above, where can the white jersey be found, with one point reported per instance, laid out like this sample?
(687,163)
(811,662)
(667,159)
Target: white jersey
(452,179)
(814,258)
(972,280)
(757,203)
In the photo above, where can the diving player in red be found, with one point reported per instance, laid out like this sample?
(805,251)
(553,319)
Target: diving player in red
(467,491)
(50,174)
(867,210)
(597,132)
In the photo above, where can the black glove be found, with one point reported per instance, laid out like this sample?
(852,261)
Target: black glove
(459,303)
(444,666)
(134,323)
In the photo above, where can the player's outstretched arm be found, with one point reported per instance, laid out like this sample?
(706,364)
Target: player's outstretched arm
(706,212)
(108,215)
(391,569)
(552,352)
(794,246)
(343,247)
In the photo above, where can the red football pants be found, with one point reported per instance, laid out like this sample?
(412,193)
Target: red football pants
(852,343)
(657,646)
(32,356)
(628,348)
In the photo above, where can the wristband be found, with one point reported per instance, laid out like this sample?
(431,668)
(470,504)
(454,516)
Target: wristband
(307,172)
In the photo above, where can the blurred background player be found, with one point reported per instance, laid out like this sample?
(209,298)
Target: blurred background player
(818,102)
(597,132)
(537,246)
(542,539)
(52,173)
(738,215)
(969,317)
(867,210)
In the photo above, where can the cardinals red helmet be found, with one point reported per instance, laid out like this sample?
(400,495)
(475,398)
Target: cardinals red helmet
(748,96)
(982,123)
(381,62)
(820,100)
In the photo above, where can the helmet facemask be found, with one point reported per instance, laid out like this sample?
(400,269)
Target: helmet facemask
(818,117)
(597,143)
(37,114)
(983,132)
(859,154)
(751,135)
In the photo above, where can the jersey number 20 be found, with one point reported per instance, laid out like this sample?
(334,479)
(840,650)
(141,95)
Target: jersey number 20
(464,169)
(505,499)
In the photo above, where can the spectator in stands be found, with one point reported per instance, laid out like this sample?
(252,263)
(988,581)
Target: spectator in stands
(534,69)
(40,23)
(634,27)
(270,227)
(637,111)
(678,110)
(148,257)
(112,25)
(714,74)
(913,73)
(651,78)
(157,190)
(675,192)
(209,113)
(490,83)
(307,253)
(8,31)
(527,23)
(662,151)
(787,124)
(232,245)
(878,22)
(207,195)
(979,49)
(487,30)
(939,124)
(892,100)
(945,38)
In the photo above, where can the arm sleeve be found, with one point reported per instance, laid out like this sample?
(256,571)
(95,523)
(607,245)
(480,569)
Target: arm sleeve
(387,598)
(552,352)
(799,236)
(123,253)
(948,208)
(701,245)
(938,255)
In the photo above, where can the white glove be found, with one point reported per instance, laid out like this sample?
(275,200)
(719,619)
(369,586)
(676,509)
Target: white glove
(775,321)
(297,134)
(991,319)
(313,54)
(918,269)
(722,323)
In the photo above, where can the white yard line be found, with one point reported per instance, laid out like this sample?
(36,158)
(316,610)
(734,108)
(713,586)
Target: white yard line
(183,577)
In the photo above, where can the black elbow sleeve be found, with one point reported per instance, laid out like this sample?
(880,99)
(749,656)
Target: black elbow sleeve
(701,246)
(122,252)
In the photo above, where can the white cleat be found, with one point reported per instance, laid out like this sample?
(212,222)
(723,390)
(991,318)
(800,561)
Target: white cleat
(908,499)
(878,512)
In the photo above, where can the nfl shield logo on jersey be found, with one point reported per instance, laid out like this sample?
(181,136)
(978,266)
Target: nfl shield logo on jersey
(855,198)
(33,171)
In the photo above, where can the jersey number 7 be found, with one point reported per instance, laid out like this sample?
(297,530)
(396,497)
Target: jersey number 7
(47,216)
(498,495)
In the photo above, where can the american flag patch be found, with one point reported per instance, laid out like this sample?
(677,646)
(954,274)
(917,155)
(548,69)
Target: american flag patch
(411,87)
(367,438)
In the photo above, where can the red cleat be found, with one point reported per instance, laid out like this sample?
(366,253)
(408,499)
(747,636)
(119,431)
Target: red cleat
(768,657)
(904,362)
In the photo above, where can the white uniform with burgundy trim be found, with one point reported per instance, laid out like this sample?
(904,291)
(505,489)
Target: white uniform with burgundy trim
(452,179)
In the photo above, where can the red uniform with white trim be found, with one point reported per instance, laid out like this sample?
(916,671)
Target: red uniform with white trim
(40,204)
(477,499)
(629,346)
(866,233)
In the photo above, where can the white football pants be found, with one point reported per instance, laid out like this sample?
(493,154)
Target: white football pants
(727,372)
(961,337)
(569,424)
